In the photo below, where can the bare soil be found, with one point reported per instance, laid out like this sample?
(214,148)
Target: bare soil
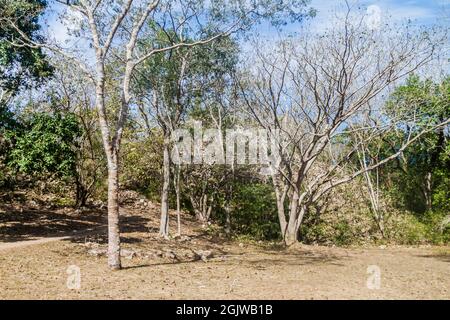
(173,269)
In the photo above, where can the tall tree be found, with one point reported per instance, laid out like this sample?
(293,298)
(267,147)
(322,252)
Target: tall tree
(172,85)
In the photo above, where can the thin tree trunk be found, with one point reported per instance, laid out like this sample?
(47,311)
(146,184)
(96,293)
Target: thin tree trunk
(177,191)
(82,193)
(428,191)
(164,223)
(113,216)
(228,220)
(178,215)
(113,177)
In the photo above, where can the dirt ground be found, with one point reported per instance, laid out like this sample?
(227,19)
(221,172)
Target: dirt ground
(198,265)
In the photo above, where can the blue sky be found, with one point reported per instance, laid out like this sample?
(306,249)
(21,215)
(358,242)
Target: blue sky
(419,11)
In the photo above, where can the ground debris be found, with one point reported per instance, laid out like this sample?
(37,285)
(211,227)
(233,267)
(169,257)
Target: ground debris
(129,254)
(182,238)
(97,252)
(204,254)
(170,254)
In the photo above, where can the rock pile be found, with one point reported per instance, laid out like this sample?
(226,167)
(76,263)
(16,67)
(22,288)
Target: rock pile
(97,250)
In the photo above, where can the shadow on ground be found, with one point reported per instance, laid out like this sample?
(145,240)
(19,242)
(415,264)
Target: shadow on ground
(442,257)
(30,224)
(128,225)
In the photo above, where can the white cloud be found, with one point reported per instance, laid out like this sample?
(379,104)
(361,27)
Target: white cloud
(57,31)
(396,11)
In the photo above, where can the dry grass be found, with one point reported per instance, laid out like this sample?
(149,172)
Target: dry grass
(235,272)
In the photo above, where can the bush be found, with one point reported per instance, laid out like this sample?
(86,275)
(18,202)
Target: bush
(254,212)
(47,145)
(142,162)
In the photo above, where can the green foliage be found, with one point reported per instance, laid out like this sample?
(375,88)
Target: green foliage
(254,211)
(428,101)
(433,227)
(278,13)
(437,227)
(441,174)
(7,120)
(420,178)
(412,232)
(47,145)
(142,162)
(19,66)
(183,78)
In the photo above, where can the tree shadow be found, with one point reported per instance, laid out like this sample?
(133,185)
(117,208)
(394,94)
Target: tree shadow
(441,257)
(257,260)
(147,265)
(29,224)
(128,224)
(286,256)
(295,260)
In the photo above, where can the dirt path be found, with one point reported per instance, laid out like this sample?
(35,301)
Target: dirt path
(42,240)
(19,244)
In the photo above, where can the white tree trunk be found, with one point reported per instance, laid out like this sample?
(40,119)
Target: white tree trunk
(177,191)
(164,222)
(113,217)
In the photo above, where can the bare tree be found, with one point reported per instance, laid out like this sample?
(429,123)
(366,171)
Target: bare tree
(317,92)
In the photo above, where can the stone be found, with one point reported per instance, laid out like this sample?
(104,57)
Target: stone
(128,254)
(169,254)
(97,252)
(182,238)
(204,254)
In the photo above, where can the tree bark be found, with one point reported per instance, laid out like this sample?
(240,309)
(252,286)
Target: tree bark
(111,152)
(291,230)
(228,220)
(428,191)
(177,191)
(178,214)
(296,213)
(164,222)
(113,216)
(290,235)
(81,193)
(280,194)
